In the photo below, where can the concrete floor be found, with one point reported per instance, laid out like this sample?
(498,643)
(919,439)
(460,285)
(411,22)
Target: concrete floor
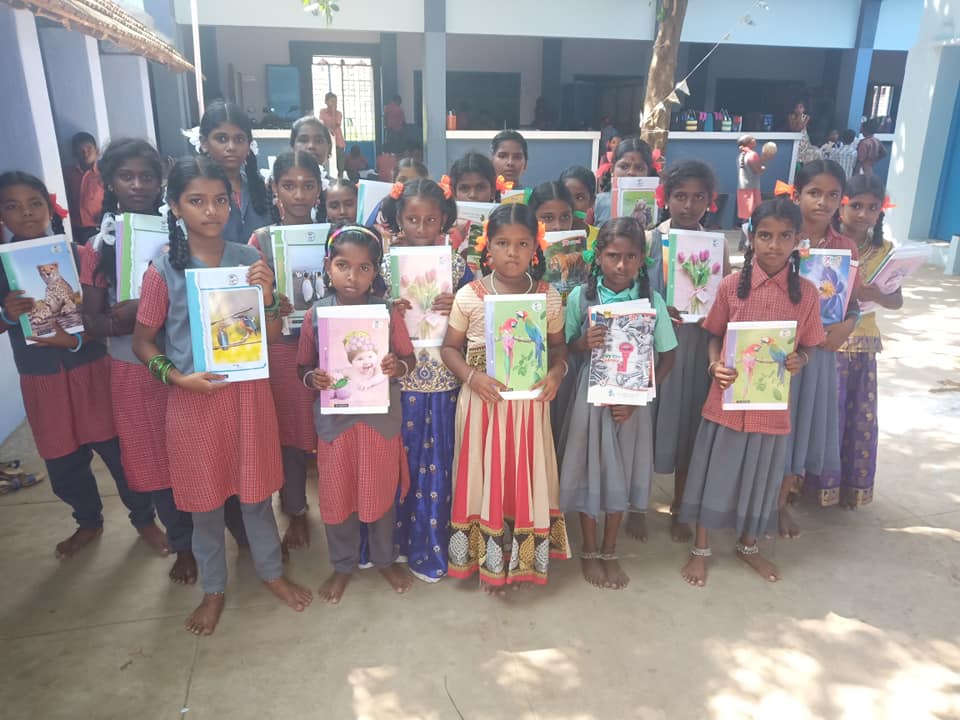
(864,624)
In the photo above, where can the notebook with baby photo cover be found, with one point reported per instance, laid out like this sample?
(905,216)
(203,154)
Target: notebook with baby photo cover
(46,271)
(351,343)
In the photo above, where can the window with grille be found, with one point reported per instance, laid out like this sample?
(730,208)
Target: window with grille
(351,80)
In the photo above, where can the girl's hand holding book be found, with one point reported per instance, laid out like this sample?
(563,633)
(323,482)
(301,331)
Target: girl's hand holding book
(442,303)
(486,387)
(795,362)
(286,307)
(594,338)
(16,304)
(401,305)
(203,383)
(392,367)
(621,413)
(260,274)
(722,375)
(60,339)
(551,383)
(318,379)
(674,315)
(123,317)
(837,334)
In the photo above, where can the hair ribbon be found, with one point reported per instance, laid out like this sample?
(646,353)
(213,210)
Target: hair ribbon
(782,188)
(887,205)
(503,184)
(481,242)
(661,196)
(58,210)
(713,202)
(444,184)
(397,190)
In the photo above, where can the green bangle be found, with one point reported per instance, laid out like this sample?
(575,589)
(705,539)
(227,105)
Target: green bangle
(274,306)
(79,338)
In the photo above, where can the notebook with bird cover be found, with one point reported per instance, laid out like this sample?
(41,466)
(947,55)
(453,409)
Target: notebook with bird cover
(516,334)
(758,351)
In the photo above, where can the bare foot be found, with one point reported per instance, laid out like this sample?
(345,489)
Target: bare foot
(617,579)
(493,590)
(155,538)
(788,526)
(297,534)
(637,526)
(679,532)
(73,544)
(332,589)
(764,568)
(184,570)
(695,571)
(399,577)
(592,570)
(296,596)
(203,620)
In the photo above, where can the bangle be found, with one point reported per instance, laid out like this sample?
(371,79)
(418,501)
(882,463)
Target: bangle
(473,371)
(803,354)
(79,337)
(406,368)
(274,306)
(710,368)
(160,367)
(566,367)
(6,318)
(307,374)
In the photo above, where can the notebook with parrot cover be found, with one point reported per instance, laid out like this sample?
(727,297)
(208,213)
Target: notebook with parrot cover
(516,330)
(758,351)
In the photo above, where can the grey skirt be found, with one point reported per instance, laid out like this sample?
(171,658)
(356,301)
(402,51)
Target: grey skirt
(813,445)
(734,480)
(566,397)
(680,400)
(605,466)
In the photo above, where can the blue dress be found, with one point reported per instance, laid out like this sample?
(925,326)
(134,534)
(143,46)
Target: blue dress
(429,398)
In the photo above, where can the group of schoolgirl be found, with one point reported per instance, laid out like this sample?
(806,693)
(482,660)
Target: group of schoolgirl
(454,479)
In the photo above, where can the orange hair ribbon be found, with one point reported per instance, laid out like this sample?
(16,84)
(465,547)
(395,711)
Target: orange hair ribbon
(58,210)
(782,188)
(396,191)
(503,184)
(444,184)
(844,201)
(713,202)
(887,204)
(481,242)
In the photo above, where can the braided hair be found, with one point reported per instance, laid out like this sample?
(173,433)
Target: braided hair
(629,145)
(184,171)
(867,185)
(626,227)
(474,162)
(223,112)
(781,208)
(114,156)
(282,165)
(514,214)
(17,177)
(545,192)
(420,187)
(360,236)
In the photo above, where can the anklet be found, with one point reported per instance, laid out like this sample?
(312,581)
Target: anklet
(214,593)
(747,549)
(608,556)
(590,556)
(701,552)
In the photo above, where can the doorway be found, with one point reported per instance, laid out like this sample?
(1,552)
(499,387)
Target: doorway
(351,79)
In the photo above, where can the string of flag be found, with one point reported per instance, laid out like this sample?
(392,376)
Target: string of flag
(681,87)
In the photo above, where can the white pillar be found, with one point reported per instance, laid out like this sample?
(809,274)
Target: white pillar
(75,84)
(129,107)
(930,85)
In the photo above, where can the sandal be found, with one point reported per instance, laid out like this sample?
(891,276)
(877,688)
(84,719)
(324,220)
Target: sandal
(9,466)
(11,483)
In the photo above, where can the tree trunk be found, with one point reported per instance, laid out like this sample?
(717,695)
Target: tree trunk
(661,78)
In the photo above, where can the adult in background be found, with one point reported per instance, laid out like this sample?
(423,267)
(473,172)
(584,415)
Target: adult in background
(333,119)
(394,122)
(846,155)
(869,150)
(797,121)
(84,188)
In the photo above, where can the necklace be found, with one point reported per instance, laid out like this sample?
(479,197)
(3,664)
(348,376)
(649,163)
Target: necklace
(493,283)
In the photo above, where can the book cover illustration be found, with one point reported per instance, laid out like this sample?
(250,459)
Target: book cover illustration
(694,271)
(298,255)
(419,275)
(635,197)
(519,196)
(758,351)
(468,229)
(370,194)
(351,344)
(622,371)
(141,239)
(899,264)
(833,273)
(227,324)
(516,342)
(45,270)
(566,268)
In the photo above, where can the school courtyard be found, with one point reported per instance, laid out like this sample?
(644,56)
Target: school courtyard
(863,625)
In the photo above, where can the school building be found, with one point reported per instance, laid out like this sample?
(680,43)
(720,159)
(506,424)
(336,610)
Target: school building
(126,70)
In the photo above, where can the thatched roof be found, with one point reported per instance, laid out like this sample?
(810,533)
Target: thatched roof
(106,20)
